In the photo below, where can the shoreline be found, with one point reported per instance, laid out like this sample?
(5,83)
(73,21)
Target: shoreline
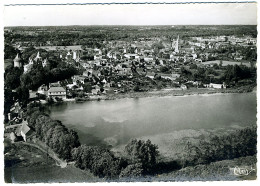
(167,92)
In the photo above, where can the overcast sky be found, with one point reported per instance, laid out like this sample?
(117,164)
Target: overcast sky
(174,14)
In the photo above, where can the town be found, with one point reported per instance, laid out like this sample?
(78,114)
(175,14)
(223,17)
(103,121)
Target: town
(55,65)
(122,66)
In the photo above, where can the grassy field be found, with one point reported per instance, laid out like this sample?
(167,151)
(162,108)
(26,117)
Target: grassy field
(217,171)
(225,63)
(25,164)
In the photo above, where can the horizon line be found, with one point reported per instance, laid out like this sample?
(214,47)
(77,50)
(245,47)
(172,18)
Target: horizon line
(135,25)
(134,3)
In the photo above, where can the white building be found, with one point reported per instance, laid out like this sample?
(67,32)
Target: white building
(59,92)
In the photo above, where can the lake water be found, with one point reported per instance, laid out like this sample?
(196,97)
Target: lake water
(122,119)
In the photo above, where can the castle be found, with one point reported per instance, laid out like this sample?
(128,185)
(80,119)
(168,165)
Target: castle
(39,59)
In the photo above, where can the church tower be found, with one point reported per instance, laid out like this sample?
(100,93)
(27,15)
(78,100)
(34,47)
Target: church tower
(177,45)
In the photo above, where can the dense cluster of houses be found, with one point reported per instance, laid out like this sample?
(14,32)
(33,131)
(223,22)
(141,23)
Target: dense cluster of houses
(124,59)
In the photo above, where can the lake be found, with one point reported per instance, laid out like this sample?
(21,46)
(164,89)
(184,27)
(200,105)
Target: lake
(98,122)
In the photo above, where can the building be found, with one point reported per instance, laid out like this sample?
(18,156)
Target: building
(183,87)
(13,137)
(17,61)
(42,90)
(38,57)
(26,132)
(217,86)
(59,92)
(175,45)
(32,95)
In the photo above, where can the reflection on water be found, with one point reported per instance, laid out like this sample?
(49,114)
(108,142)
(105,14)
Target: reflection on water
(116,121)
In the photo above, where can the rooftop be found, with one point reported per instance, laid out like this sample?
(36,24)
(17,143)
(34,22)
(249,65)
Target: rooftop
(56,89)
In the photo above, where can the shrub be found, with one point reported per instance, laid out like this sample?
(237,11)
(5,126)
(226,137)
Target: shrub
(133,170)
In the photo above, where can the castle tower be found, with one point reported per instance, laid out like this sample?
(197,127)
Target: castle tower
(17,61)
(74,55)
(30,61)
(45,62)
(38,57)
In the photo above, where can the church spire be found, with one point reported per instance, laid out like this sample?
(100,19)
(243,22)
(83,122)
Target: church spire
(177,45)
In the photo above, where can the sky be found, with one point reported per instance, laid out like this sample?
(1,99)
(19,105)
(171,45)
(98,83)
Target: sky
(142,14)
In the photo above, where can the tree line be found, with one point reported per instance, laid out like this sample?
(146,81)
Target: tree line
(52,132)
(88,35)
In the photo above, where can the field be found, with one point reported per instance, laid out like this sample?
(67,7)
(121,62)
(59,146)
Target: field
(25,164)
(76,47)
(217,171)
(226,63)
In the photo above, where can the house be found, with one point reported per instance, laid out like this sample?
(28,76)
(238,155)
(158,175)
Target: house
(148,59)
(95,90)
(59,92)
(26,132)
(217,86)
(71,86)
(42,90)
(183,87)
(96,73)
(125,71)
(85,65)
(131,56)
(78,78)
(175,76)
(32,95)
(150,75)
(13,137)
(56,84)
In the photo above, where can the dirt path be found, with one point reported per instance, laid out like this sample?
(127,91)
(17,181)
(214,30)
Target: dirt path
(44,148)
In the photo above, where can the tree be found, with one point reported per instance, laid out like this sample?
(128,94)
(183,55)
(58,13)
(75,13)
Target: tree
(22,95)
(87,87)
(215,66)
(164,69)
(136,88)
(12,77)
(139,151)
(193,66)
(220,63)
(101,162)
(10,52)
(8,101)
